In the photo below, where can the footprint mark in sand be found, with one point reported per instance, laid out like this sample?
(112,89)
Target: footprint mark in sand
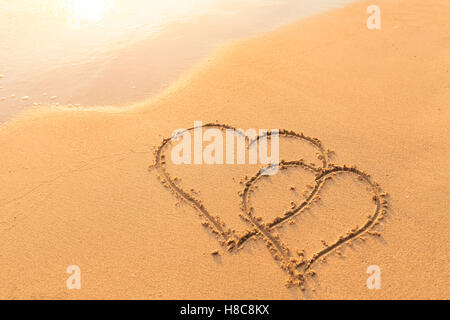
(297,267)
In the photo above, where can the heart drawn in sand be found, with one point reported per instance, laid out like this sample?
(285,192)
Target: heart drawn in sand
(296,265)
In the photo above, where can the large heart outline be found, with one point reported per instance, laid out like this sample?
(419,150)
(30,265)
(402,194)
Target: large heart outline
(296,267)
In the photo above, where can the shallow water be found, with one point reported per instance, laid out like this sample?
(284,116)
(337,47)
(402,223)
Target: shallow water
(114,52)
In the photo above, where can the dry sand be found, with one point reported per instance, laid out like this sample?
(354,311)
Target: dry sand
(76,188)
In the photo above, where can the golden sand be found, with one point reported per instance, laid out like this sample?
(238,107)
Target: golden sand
(77,188)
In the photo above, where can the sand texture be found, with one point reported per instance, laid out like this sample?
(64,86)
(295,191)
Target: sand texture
(364,125)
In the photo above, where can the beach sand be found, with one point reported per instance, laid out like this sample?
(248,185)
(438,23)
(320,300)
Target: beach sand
(76,188)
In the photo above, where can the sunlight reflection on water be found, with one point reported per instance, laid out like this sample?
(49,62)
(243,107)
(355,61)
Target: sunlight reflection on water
(78,11)
(120,51)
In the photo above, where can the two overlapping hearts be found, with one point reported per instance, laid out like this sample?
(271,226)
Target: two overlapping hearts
(321,172)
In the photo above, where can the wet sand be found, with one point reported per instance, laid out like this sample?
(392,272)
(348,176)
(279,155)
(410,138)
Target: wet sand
(118,55)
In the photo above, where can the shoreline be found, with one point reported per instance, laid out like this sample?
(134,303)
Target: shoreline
(138,72)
